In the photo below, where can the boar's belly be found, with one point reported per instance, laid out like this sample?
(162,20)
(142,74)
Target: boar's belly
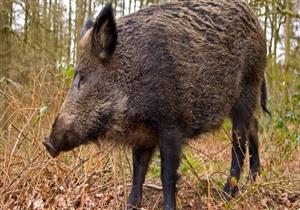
(141,136)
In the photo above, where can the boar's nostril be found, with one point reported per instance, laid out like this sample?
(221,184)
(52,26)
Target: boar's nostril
(50,148)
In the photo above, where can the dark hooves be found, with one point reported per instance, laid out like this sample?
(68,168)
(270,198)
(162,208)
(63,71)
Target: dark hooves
(231,189)
(227,196)
(132,207)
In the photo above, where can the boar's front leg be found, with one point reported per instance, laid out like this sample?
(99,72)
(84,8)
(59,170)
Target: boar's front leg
(170,149)
(141,158)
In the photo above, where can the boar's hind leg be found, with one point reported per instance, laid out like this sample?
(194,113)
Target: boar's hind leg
(170,149)
(241,117)
(141,158)
(253,150)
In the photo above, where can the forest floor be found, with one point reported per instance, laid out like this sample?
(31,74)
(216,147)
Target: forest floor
(99,177)
(89,178)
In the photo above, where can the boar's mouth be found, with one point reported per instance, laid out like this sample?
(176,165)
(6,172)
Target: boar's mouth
(50,148)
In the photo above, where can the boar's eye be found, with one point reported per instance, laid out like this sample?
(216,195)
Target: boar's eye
(81,80)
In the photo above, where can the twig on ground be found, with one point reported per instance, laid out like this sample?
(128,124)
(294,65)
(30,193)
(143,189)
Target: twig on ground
(191,167)
(197,150)
(153,186)
(20,174)
(85,160)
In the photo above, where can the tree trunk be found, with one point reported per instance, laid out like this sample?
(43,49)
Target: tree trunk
(78,24)
(287,35)
(275,37)
(60,34)
(5,37)
(5,56)
(129,7)
(69,39)
(26,20)
(90,9)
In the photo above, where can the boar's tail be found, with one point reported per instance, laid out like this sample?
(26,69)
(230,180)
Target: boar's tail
(264,97)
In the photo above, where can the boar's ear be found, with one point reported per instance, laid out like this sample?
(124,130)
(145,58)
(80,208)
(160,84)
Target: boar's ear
(88,23)
(104,35)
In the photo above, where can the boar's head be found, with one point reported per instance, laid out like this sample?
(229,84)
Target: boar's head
(90,105)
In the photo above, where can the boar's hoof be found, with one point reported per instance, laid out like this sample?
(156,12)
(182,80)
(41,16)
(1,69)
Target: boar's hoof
(132,207)
(230,191)
(134,201)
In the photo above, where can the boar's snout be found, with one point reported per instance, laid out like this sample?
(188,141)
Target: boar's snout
(63,137)
(50,148)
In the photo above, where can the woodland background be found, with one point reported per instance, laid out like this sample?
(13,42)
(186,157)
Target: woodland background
(38,52)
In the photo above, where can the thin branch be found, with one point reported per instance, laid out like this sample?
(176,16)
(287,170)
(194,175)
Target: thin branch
(289,12)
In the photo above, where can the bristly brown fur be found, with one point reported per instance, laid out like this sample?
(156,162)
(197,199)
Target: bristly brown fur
(187,62)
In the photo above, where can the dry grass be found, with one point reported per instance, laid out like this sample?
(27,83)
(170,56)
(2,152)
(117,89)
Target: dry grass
(99,178)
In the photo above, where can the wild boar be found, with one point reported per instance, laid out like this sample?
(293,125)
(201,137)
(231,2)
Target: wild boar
(161,76)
